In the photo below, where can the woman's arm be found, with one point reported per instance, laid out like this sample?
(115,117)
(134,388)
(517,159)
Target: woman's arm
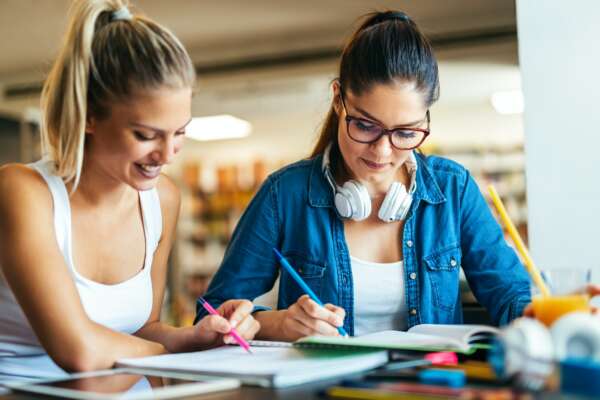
(492,268)
(250,269)
(210,330)
(37,274)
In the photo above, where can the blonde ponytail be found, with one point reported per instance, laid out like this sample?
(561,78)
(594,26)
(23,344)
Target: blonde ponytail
(103,59)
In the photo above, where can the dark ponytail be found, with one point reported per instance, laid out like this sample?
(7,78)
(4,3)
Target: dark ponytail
(387,47)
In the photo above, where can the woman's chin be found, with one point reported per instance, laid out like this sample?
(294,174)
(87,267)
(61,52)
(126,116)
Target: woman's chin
(143,184)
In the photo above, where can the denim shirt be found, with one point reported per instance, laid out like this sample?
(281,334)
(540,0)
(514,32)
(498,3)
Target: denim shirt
(449,226)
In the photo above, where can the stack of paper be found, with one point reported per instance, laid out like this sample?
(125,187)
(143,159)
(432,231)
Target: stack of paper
(266,366)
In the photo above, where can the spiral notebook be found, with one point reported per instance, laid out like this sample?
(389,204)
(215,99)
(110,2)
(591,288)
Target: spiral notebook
(424,337)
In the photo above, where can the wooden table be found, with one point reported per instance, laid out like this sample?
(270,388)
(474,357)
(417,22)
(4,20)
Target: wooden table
(302,392)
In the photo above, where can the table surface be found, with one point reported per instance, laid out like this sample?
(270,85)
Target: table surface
(311,391)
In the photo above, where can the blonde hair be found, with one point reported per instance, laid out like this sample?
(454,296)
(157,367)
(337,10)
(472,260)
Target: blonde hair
(104,57)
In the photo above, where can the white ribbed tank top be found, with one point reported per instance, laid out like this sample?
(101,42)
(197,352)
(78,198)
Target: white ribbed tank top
(379,297)
(123,307)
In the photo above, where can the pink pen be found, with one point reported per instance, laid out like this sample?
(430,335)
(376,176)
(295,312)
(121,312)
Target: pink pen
(232,332)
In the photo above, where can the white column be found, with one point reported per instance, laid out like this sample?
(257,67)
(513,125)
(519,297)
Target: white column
(559,52)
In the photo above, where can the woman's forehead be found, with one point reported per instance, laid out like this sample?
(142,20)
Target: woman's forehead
(389,104)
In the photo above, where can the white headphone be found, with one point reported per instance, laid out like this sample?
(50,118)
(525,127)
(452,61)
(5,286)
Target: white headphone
(352,200)
(527,350)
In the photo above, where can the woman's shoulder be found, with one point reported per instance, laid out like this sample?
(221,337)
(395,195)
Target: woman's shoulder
(296,173)
(443,168)
(23,188)
(169,197)
(16,177)
(168,192)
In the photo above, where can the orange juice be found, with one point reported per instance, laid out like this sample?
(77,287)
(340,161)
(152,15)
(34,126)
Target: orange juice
(548,309)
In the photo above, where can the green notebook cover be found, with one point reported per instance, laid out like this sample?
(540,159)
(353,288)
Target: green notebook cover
(427,337)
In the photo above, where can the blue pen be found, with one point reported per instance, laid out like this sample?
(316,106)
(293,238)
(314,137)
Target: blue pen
(285,264)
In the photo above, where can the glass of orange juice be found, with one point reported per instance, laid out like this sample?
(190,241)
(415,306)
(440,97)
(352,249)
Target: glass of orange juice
(568,288)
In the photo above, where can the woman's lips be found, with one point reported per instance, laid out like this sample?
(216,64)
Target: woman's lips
(148,171)
(374,165)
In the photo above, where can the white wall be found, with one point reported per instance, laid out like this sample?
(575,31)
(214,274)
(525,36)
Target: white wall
(560,66)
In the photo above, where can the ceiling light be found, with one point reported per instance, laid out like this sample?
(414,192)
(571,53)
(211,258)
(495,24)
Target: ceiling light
(218,127)
(508,102)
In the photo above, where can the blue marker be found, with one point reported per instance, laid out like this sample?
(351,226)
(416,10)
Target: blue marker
(285,264)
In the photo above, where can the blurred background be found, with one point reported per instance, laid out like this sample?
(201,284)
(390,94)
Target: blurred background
(267,66)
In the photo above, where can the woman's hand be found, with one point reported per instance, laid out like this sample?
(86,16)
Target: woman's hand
(212,330)
(306,318)
(591,289)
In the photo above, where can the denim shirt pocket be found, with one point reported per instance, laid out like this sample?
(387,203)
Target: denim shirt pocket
(443,269)
(311,272)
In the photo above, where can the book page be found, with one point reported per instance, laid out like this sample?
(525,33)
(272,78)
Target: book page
(465,334)
(392,340)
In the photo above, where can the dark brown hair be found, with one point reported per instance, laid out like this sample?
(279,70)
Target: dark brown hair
(387,47)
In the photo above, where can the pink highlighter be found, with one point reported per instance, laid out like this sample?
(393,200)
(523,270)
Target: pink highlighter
(439,358)
(240,340)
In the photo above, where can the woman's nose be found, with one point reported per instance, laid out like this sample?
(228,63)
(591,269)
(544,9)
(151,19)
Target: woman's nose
(383,146)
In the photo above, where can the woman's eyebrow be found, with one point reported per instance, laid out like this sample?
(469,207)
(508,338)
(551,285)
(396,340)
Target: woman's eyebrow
(369,116)
(158,130)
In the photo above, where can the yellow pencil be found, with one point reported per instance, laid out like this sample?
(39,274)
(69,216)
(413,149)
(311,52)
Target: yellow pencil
(377,394)
(512,231)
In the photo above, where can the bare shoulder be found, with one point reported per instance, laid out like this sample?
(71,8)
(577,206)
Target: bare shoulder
(168,192)
(20,185)
(169,195)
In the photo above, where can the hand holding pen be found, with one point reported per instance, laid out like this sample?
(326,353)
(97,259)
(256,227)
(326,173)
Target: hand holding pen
(309,316)
(233,320)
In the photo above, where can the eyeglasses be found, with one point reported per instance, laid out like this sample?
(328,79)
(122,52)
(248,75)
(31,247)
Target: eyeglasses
(365,131)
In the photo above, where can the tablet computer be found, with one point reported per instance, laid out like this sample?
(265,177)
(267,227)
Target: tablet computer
(126,384)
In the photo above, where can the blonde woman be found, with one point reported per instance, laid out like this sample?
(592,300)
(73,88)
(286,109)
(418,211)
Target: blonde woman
(86,232)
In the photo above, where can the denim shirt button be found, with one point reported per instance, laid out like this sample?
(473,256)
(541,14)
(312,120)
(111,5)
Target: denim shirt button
(413,276)
(413,311)
(453,262)
(409,243)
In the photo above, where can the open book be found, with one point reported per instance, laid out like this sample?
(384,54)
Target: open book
(424,337)
(266,366)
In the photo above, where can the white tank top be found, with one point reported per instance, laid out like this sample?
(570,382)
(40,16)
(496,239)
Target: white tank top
(123,307)
(379,300)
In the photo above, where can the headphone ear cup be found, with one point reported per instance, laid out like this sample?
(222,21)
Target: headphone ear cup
(389,203)
(343,203)
(393,207)
(359,199)
(577,335)
(527,353)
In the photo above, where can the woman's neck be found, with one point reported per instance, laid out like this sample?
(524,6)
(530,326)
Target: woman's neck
(98,189)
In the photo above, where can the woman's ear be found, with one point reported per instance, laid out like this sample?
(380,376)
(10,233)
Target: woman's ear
(337,99)
(90,125)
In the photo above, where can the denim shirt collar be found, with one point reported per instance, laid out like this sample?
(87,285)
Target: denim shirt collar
(320,193)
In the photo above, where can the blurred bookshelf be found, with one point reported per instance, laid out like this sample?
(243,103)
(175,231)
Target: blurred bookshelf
(213,200)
